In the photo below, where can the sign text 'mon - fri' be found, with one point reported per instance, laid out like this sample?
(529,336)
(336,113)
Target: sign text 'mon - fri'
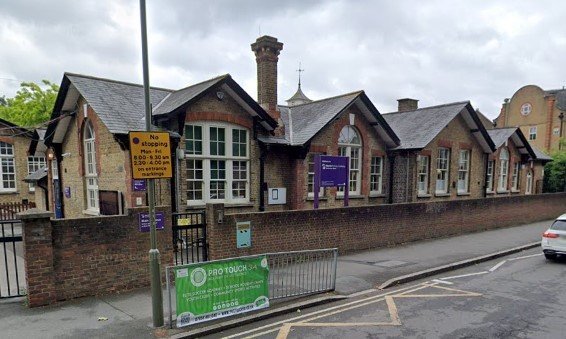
(150,155)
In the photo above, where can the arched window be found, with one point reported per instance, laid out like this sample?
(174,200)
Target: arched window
(91,176)
(350,145)
(7,168)
(503,169)
(529,188)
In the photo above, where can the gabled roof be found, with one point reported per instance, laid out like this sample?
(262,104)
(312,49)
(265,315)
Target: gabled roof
(418,128)
(303,122)
(15,129)
(501,135)
(540,155)
(37,145)
(121,105)
(180,99)
(37,175)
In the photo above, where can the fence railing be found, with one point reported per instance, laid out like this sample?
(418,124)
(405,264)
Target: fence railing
(12,275)
(8,210)
(291,274)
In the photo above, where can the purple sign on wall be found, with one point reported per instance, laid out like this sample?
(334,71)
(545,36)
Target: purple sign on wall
(333,171)
(139,185)
(67,192)
(143,219)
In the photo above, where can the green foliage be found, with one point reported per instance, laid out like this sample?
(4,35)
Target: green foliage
(555,173)
(32,104)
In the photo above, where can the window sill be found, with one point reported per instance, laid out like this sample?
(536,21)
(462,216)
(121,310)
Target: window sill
(490,192)
(234,205)
(426,195)
(463,194)
(502,192)
(377,195)
(8,192)
(357,196)
(90,212)
(515,191)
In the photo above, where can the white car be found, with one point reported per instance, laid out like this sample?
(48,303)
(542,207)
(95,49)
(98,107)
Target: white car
(554,239)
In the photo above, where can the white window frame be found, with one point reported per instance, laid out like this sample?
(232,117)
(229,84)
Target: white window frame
(533,133)
(376,176)
(8,161)
(35,164)
(464,171)
(423,165)
(349,147)
(91,175)
(515,177)
(503,170)
(442,170)
(489,174)
(310,177)
(230,175)
(529,188)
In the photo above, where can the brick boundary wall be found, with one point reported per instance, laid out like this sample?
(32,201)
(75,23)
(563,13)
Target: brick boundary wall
(72,258)
(359,228)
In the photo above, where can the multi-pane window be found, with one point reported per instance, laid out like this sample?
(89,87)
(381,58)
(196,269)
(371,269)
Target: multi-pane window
(350,145)
(529,188)
(503,169)
(34,164)
(489,174)
(7,168)
(91,176)
(533,133)
(422,166)
(376,175)
(464,171)
(217,163)
(515,176)
(442,170)
(310,177)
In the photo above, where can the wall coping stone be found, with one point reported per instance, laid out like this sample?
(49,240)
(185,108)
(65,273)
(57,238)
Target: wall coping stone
(35,213)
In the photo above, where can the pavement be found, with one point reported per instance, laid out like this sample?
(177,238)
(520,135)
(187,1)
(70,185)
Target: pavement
(128,315)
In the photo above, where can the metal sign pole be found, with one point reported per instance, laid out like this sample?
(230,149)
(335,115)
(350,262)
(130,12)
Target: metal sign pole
(154,264)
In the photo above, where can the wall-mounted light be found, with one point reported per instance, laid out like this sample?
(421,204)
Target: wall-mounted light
(50,156)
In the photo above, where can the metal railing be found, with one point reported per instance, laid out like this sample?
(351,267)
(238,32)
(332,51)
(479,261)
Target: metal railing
(291,274)
(12,277)
(189,237)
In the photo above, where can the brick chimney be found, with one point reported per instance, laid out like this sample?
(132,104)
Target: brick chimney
(266,51)
(407,104)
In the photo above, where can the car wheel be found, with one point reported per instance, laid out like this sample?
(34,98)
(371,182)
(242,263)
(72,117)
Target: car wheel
(550,256)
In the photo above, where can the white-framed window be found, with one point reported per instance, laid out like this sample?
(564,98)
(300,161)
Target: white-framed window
(217,163)
(91,176)
(532,133)
(350,145)
(34,164)
(310,177)
(423,166)
(515,176)
(464,171)
(376,175)
(489,174)
(442,170)
(503,169)
(7,168)
(526,108)
(529,188)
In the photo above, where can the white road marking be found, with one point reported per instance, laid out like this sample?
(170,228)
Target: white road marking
(464,275)
(497,266)
(526,256)
(442,281)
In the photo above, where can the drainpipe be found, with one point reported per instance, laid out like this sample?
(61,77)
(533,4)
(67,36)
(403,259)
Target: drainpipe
(485,174)
(391,165)
(262,155)
(561,117)
(407,179)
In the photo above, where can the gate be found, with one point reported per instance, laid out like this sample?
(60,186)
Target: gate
(12,277)
(189,237)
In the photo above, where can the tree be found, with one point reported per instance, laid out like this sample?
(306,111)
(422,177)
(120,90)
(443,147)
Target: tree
(32,104)
(555,173)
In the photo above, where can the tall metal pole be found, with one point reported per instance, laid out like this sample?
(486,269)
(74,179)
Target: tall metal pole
(154,259)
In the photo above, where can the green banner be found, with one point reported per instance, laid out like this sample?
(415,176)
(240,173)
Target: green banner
(215,290)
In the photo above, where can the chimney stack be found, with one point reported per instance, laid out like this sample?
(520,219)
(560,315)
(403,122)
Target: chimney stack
(407,104)
(266,51)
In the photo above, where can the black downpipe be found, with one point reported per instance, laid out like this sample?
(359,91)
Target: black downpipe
(174,177)
(391,165)
(262,156)
(485,175)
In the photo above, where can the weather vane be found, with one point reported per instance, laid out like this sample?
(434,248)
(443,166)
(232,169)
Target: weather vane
(300,70)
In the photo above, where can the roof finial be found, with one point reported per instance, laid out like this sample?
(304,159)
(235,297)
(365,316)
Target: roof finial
(300,70)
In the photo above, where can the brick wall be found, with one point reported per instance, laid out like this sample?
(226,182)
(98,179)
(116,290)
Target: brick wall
(73,258)
(359,228)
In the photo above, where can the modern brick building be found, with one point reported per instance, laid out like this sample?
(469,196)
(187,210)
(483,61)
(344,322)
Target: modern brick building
(539,113)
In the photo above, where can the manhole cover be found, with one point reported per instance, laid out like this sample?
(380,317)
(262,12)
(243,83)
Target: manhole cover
(391,263)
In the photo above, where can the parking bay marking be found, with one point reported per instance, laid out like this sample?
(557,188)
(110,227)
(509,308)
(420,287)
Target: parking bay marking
(389,299)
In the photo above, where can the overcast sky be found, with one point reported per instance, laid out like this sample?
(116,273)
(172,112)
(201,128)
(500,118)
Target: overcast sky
(437,51)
